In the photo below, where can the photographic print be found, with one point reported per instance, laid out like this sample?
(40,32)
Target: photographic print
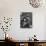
(26,20)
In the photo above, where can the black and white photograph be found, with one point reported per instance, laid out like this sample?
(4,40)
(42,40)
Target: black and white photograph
(26,20)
